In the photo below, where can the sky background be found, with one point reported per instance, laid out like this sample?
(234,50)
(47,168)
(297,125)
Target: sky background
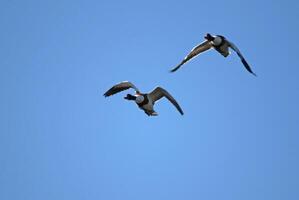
(61,139)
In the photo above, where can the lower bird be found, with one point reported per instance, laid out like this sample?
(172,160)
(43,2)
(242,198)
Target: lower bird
(220,44)
(145,101)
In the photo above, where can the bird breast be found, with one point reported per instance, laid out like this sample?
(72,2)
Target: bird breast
(139,99)
(217,41)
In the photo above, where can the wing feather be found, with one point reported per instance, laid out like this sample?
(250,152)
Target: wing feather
(159,92)
(246,65)
(204,46)
(120,87)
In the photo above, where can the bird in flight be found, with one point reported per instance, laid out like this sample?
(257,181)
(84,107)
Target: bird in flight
(145,101)
(220,44)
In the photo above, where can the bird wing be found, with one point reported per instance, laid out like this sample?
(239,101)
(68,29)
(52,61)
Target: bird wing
(235,48)
(204,46)
(159,92)
(120,87)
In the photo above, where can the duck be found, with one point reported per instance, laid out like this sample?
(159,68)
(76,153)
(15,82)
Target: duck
(145,101)
(220,44)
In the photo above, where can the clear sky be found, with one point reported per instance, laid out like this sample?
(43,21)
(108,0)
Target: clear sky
(61,139)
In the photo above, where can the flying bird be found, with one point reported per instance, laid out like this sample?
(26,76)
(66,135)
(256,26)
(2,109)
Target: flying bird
(145,101)
(220,44)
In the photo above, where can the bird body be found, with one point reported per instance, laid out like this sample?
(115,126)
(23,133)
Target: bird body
(145,103)
(221,45)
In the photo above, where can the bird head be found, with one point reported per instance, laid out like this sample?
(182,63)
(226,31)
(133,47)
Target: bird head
(130,97)
(209,37)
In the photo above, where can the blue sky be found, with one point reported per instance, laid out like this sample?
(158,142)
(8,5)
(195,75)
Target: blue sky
(61,139)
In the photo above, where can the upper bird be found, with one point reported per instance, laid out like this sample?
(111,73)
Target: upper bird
(145,101)
(220,44)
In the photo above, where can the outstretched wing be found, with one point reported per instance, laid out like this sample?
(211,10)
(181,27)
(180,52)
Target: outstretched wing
(159,92)
(235,48)
(120,87)
(204,46)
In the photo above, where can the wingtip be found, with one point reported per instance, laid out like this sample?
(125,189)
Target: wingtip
(172,70)
(247,67)
(254,74)
(176,68)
